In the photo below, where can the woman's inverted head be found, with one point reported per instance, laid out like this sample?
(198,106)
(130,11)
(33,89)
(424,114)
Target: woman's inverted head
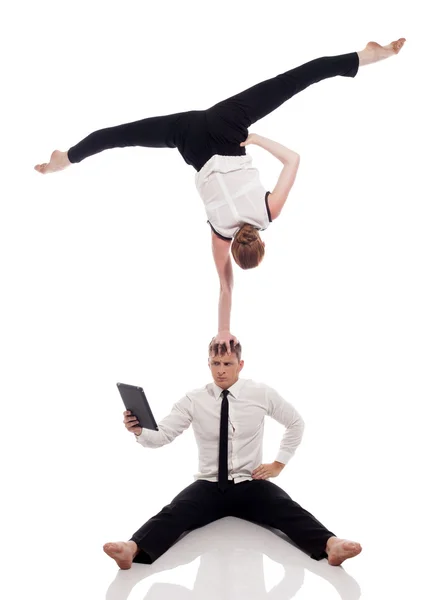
(247,247)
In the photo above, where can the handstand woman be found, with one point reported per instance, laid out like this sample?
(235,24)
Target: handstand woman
(213,141)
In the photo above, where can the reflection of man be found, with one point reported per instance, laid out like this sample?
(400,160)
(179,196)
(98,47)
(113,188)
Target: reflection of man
(228,422)
(234,559)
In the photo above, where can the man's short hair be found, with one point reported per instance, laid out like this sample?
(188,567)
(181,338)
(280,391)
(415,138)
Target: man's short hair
(235,348)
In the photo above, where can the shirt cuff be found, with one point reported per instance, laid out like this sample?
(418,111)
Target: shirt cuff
(283,457)
(142,437)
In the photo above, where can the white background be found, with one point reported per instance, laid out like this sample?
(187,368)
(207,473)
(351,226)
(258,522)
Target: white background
(107,275)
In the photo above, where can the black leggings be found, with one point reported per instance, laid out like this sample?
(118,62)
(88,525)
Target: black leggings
(199,134)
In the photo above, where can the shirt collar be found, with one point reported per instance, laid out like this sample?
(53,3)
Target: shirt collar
(234,390)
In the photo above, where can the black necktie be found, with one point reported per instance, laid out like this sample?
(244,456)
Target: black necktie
(223,448)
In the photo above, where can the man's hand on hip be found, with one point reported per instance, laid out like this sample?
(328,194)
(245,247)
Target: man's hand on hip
(265,471)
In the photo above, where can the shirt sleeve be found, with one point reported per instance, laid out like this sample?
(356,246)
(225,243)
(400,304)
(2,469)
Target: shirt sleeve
(170,427)
(267,207)
(284,413)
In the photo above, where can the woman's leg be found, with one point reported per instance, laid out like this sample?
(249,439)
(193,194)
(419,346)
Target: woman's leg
(155,132)
(263,98)
(247,107)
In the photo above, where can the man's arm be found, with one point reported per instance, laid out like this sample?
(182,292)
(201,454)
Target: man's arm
(284,413)
(290,160)
(170,427)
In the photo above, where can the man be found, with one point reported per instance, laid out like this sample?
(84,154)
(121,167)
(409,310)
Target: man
(228,422)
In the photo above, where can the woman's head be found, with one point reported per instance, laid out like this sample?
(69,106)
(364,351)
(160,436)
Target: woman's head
(247,247)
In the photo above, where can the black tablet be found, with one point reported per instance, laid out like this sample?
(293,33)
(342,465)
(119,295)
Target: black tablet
(135,400)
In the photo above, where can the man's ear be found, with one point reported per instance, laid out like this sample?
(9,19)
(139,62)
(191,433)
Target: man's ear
(241,364)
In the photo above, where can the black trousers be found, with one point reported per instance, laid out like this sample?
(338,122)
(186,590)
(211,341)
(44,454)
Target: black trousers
(258,500)
(200,134)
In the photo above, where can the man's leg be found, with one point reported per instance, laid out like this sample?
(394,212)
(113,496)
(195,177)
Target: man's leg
(197,505)
(266,503)
(247,107)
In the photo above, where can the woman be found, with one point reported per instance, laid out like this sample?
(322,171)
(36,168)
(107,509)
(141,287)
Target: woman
(213,141)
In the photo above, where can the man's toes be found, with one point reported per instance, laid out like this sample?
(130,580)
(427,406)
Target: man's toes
(352,547)
(110,548)
(398,44)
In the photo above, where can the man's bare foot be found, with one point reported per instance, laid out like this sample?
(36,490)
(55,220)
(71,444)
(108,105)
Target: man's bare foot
(339,550)
(374,52)
(58,161)
(122,552)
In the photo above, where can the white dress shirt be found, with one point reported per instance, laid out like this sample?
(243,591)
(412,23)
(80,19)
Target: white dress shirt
(249,403)
(232,194)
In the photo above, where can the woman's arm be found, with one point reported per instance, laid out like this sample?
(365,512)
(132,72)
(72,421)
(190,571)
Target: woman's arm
(223,263)
(279,151)
(278,197)
(290,160)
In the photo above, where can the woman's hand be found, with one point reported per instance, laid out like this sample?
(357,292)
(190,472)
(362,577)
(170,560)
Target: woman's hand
(266,471)
(251,139)
(223,337)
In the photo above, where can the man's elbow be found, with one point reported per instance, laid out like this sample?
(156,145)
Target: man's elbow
(300,425)
(159,440)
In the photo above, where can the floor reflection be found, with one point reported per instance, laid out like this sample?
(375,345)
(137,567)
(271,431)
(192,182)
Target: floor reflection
(231,555)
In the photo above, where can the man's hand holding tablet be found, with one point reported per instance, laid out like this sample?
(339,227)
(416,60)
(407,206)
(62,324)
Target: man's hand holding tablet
(137,412)
(131,423)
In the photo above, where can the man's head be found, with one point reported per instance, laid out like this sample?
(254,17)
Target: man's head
(225,368)
(247,247)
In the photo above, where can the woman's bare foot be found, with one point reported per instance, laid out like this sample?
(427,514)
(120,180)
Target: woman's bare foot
(58,161)
(122,552)
(374,52)
(339,550)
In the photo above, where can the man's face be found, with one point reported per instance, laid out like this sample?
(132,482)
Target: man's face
(225,369)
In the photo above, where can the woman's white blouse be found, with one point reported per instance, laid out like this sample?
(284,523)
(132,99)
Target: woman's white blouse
(232,194)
